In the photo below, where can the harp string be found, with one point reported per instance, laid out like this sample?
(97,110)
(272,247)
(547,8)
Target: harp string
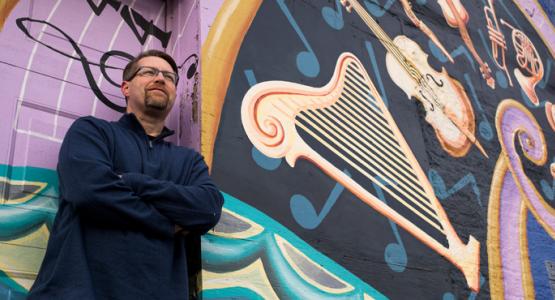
(377,158)
(373,113)
(369,118)
(373,165)
(368,130)
(372,178)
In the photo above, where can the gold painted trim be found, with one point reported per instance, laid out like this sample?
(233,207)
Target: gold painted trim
(527,280)
(6,7)
(492,242)
(218,56)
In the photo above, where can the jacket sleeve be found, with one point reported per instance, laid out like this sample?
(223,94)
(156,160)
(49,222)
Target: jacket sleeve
(97,193)
(195,206)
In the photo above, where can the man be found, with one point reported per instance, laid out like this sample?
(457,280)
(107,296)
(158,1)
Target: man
(127,199)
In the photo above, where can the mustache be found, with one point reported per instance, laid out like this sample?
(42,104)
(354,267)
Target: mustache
(160,88)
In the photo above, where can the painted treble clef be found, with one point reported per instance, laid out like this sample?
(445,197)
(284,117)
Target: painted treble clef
(80,56)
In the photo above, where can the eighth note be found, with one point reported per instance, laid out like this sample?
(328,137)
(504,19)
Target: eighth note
(307,62)
(376,9)
(304,212)
(334,17)
(395,254)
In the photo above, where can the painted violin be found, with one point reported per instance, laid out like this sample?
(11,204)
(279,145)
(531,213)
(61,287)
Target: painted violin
(448,109)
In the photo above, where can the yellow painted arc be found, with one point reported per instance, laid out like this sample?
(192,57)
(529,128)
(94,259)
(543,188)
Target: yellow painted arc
(218,56)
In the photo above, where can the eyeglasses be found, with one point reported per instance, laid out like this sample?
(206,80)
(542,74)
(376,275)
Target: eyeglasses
(145,71)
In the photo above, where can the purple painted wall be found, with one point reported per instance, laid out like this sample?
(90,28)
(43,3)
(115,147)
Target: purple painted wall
(60,60)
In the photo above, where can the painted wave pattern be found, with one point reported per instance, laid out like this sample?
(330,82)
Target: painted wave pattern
(250,255)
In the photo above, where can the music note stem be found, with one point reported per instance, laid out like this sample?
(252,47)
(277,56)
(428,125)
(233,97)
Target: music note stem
(436,41)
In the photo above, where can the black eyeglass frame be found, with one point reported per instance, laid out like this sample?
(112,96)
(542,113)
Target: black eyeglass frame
(156,72)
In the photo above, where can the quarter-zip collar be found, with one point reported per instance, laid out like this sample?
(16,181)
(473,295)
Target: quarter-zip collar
(130,121)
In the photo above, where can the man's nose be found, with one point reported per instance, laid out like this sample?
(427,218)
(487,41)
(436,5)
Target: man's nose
(160,77)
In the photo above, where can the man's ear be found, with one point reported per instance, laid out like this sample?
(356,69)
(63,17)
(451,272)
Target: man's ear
(125,88)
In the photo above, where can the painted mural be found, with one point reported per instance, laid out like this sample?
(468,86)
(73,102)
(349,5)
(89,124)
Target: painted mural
(366,149)
(410,142)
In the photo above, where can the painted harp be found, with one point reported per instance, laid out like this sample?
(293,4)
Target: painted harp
(348,122)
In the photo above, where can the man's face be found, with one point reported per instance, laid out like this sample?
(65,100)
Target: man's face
(147,94)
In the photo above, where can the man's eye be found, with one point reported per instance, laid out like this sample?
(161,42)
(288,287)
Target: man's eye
(169,77)
(147,72)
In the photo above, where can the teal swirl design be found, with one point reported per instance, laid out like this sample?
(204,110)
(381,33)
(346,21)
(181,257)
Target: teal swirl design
(28,205)
(250,255)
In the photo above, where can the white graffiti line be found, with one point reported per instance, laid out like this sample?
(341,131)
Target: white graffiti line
(110,46)
(39,135)
(184,26)
(66,75)
(30,63)
(162,8)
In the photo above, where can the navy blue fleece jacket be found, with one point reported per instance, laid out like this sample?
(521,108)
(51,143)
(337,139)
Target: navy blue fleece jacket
(121,195)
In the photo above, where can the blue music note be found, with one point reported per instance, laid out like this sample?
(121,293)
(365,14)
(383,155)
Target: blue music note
(372,56)
(547,190)
(436,52)
(334,17)
(374,7)
(441,190)
(395,254)
(500,77)
(304,212)
(472,296)
(461,50)
(484,127)
(307,62)
(547,74)
(260,159)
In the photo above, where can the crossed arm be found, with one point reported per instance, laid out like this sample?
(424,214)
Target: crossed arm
(132,201)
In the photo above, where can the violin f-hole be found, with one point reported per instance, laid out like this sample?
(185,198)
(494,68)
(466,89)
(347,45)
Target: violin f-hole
(431,77)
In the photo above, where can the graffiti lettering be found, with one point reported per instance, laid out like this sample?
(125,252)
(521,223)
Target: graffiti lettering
(134,20)
(98,9)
